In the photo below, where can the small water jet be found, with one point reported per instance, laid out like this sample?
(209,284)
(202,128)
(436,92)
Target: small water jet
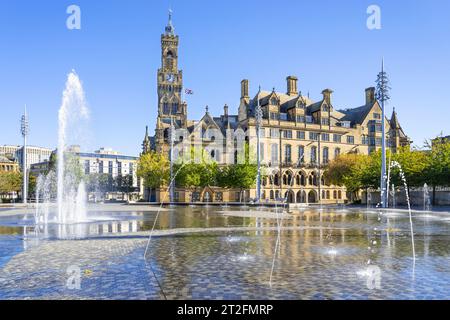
(426,198)
(397,165)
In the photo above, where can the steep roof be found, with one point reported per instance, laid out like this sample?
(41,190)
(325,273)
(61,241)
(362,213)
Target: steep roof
(315,106)
(286,101)
(356,115)
(395,124)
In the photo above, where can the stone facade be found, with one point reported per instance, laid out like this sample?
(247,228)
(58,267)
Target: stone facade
(298,137)
(7,164)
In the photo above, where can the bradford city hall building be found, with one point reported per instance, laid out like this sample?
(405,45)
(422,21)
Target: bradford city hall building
(298,136)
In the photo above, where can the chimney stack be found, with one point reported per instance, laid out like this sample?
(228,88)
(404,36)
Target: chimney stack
(370,95)
(327,95)
(244,89)
(225,111)
(292,85)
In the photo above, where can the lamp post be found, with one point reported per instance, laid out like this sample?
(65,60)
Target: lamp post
(318,162)
(258,115)
(172,142)
(24,130)
(383,95)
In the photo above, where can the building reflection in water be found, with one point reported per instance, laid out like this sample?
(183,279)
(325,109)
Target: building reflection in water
(33,235)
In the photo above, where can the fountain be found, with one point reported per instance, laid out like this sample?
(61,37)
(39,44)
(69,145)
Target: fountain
(44,193)
(426,198)
(71,207)
(70,189)
(393,196)
(405,185)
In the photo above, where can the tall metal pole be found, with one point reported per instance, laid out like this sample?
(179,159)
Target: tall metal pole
(280,165)
(172,141)
(258,115)
(319,182)
(383,96)
(24,129)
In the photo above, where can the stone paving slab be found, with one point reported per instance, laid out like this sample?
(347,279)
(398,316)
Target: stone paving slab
(318,259)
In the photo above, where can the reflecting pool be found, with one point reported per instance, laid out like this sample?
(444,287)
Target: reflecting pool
(226,253)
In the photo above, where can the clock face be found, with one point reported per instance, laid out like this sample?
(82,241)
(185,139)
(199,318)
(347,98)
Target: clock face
(170,77)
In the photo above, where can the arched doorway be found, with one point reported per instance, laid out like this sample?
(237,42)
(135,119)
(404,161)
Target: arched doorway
(290,196)
(207,197)
(301,197)
(312,197)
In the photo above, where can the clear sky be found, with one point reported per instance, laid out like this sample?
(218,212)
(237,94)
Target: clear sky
(117,53)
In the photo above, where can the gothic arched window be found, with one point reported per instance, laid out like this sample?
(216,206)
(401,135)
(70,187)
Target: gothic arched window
(174,108)
(169,59)
(166,109)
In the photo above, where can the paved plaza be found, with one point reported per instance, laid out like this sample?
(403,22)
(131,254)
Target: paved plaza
(332,254)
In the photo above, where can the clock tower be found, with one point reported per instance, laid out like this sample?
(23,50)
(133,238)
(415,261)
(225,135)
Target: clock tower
(170,81)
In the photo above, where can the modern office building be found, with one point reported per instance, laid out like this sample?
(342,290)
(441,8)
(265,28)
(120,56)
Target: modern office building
(34,154)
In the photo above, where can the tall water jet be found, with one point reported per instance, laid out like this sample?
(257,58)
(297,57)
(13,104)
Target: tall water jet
(72,112)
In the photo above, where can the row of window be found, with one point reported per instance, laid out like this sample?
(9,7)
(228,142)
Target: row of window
(300,154)
(371,141)
(314,136)
(326,194)
(87,167)
(274,158)
(170,108)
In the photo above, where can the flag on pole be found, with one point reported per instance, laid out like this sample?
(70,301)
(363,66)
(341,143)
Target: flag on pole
(189,91)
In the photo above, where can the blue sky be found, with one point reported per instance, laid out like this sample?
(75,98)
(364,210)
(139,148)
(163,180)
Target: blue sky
(117,53)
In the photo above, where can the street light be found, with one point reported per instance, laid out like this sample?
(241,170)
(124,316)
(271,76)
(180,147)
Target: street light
(383,95)
(258,115)
(24,130)
(172,142)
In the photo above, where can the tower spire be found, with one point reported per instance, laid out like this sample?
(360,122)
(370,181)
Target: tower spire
(146,145)
(170,30)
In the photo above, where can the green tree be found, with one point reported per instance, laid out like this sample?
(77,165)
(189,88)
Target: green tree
(437,169)
(10,182)
(52,162)
(31,185)
(199,174)
(154,168)
(124,184)
(188,176)
(413,163)
(240,176)
(352,171)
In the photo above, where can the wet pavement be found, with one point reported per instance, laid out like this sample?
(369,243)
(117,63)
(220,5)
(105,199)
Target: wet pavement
(202,253)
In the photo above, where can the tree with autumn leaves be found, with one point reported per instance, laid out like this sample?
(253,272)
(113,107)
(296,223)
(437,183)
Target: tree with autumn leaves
(358,172)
